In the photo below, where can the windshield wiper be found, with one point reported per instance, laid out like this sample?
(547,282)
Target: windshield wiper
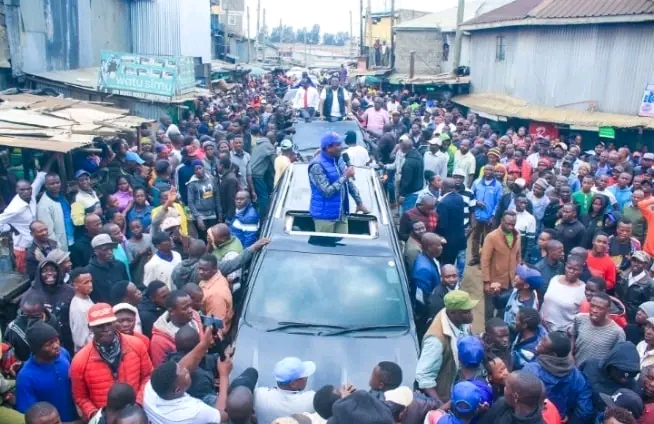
(368,328)
(283,325)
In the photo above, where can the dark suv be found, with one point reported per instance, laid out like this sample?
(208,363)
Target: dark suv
(339,300)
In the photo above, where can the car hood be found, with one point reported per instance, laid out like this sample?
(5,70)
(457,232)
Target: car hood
(339,359)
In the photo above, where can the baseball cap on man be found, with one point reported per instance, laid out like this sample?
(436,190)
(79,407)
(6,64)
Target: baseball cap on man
(100,314)
(291,369)
(466,397)
(435,140)
(330,139)
(133,157)
(170,222)
(640,256)
(627,399)
(532,277)
(648,156)
(286,145)
(102,240)
(459,300)
(81,172)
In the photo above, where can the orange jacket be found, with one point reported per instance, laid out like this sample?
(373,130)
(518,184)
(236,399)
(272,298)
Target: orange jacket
(91,376)
(648,214)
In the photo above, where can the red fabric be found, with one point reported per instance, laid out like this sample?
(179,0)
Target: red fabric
(20,258)
(543,129)
(648,415)
(619,319)
(163,343)
(306,99)
(143,338)
(523,171)
(91,377)
(550,414)
(603,267)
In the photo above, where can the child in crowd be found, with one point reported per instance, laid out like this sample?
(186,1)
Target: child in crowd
(529,331)
(526,283)
(124,194)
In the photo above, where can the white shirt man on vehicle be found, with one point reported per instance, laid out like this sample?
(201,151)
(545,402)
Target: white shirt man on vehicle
(334,101)
(306,100)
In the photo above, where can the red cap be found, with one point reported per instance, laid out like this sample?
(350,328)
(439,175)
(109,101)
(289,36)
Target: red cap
(99,314)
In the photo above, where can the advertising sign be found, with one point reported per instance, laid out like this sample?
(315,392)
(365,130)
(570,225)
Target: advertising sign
(159,76)
(543,129)
(647,105)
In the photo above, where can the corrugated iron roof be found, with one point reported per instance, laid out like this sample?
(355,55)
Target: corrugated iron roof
(445,20)
(508,106)
(543,10)
(518,9)
(58,124)
(591,8)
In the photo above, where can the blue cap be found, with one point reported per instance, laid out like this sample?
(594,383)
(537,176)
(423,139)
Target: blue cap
(291,369)
(133,157)
(471,351)
(532,277)
(81,172)
(330,139)
(466,397)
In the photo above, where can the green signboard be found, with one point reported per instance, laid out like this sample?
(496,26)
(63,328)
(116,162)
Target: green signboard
(607,132)
(159,76)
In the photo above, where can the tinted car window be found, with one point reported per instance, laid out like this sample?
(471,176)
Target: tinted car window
(307,135)
(326,290)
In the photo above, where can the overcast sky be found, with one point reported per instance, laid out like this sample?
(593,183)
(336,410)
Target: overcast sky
(331,15)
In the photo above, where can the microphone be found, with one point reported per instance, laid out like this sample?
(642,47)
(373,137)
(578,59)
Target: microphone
(346,159)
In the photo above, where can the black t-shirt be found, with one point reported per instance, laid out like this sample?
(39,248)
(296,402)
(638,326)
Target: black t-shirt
(203,377)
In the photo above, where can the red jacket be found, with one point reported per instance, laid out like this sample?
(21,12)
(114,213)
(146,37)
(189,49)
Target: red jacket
(163,337)
(91,376)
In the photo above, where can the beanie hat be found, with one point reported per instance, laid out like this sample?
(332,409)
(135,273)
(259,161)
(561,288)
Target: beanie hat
(39,334)
(648,308)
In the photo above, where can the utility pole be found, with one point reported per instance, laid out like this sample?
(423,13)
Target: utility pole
(257,38)
(351,35)
(456,54)
(247,17)
(361,26)
(226,31)
(369,27)
(391,49)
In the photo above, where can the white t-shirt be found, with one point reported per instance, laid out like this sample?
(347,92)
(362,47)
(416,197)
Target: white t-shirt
(273,403)
(358,155)
(184,410)
(336,110)
(79,325)
(561,304)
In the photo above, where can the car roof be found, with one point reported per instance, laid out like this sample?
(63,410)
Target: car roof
(294,196)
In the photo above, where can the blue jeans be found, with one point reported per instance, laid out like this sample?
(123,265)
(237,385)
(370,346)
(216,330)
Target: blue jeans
(461,263)
(390,185)
(409,202)
(263,194)
(308,113)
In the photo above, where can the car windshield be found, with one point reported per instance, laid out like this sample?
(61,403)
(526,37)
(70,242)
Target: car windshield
(307,135)
(329,290)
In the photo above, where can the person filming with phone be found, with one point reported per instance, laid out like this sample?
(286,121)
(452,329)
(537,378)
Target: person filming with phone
(331,178)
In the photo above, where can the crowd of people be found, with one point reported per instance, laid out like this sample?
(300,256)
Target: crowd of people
(138,269)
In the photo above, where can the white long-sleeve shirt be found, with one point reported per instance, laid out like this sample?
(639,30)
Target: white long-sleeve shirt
(161,269)
(20,214)
(313,98)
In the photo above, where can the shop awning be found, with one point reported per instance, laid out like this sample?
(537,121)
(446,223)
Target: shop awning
(503,106)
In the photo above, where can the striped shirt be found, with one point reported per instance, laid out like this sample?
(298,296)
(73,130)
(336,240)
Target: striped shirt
(593,341)
(469,199)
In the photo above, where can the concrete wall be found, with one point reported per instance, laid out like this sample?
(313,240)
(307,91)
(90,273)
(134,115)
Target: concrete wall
(428,46)
(576,65)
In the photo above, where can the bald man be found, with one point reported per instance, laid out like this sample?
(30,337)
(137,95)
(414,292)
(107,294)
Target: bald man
(524,394)
(240,405)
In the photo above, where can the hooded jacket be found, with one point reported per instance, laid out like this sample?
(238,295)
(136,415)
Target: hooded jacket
(203,198)
(636,294)
(16,334)
(149,313)
(617,312)
(566,387)
(594,223)
(185,272)
(501,413)
(163,337)
(625,358)
(57,301)
(412,173)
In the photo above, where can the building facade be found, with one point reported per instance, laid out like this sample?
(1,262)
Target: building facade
(381,24)
(230,15)
(428,48)
(586,67)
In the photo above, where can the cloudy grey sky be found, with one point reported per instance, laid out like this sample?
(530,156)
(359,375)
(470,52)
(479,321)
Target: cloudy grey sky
(332,15)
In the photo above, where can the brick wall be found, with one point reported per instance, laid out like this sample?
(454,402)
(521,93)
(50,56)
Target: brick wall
(428,46)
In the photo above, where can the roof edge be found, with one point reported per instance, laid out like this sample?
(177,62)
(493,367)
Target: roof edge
(420,28)
(561,21)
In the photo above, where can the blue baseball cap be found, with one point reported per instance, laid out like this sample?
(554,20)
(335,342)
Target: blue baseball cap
(81,172)
(471,351)
(291,369)
(466,397)
(530,276)
(133,157)
(330,139)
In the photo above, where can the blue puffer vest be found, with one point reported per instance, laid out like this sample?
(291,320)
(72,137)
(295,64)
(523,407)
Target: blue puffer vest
(321,207)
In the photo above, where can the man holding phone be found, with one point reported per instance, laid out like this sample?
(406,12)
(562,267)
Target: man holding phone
(217,301)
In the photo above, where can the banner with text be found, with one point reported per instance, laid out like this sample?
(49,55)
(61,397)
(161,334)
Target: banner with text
(160,76)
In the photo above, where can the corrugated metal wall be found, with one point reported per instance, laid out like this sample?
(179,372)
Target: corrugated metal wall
(446,65)
(556,66)
(109,23)
(171,27)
